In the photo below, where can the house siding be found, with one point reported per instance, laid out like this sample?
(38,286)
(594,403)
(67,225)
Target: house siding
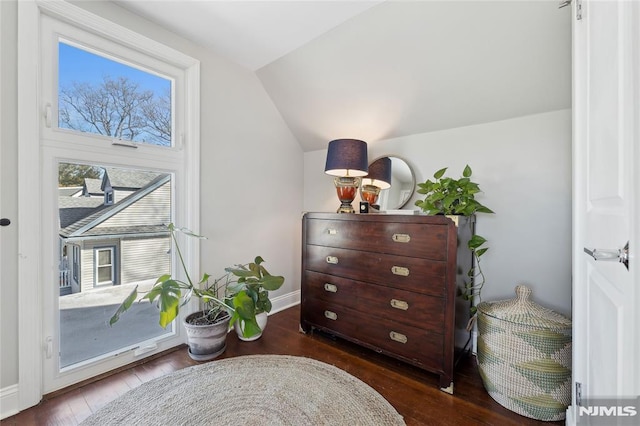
(144,259)
(153,209)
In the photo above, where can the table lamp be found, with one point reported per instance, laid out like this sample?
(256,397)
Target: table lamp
(347,161)
(379,178)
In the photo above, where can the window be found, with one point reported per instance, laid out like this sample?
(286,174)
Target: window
(104,96)
(104,264)
(108,197)
(51,134)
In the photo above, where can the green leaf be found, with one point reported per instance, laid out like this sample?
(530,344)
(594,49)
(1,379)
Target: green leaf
(244,306)
(476,241)
(272,282)
(166,294)
(481,251)
(440,173)
(467,171)
(124,306)
(187,232)
(258,260)
(250,327)
(483,209)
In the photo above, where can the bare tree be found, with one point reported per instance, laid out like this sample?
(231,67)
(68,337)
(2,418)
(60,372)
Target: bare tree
(158,115)
(117,108)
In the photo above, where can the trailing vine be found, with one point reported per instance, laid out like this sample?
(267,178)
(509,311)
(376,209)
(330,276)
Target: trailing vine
(448,196)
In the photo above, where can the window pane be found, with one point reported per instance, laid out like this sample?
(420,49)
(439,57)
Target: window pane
(104,274)
(104,257)
(116,247)
(102,96)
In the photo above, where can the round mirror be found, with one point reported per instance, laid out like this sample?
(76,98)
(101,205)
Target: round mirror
(403,183)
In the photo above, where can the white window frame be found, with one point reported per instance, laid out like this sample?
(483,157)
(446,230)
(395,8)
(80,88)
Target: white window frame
(97,265)
(37,174)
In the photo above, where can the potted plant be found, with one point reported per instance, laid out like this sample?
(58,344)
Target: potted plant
(251,291)
(207,328)
(448,196)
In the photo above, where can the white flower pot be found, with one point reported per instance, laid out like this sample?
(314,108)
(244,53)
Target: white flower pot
(261,318)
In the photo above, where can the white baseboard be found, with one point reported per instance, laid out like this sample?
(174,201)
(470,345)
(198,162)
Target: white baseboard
(280,303)
(9,401)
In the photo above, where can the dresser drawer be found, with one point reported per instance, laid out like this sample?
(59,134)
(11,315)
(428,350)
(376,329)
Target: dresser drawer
(419,346)
(405,273)
(403,239)
(415,309)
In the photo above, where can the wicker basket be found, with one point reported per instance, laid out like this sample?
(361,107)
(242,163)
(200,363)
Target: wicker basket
(524,356)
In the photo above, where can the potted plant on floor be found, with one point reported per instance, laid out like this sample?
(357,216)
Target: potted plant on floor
(251,289)
(207,328)
(448,196)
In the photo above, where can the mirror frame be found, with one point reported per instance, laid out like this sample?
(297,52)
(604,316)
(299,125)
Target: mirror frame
(413,180)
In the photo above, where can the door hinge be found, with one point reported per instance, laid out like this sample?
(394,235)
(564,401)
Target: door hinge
(578,394)
(564,3)
(579,10)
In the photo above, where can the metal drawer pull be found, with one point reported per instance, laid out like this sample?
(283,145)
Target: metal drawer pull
(331,287)
(399,304)
(331,231)
(331,315)
(401,238)
(332,259)
(398,337)
(399,270)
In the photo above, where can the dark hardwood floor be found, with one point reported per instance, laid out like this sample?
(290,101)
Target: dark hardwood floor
(413,392)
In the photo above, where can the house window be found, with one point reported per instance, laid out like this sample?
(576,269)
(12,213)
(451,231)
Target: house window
(108,197)
(104,260)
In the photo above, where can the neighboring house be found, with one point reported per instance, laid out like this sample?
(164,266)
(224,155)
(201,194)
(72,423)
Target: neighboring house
(116,232)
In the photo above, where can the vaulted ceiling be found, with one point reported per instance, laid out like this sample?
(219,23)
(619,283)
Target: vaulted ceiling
(375,70)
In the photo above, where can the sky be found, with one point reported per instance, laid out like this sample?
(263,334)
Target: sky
(76,65)
(79,65)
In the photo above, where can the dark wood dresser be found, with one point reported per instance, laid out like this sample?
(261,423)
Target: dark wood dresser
(388,282)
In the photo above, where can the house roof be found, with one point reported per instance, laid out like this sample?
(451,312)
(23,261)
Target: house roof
(73,209)
(126,178)
(93,186)
(74,224)
(69,191)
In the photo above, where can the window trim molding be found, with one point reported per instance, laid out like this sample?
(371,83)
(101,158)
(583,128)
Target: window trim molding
(113,265)
(31,345)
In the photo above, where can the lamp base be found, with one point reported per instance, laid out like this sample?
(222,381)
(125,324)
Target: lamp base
(345,208)
(346,188)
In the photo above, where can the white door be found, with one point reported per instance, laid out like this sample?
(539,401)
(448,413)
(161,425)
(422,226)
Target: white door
(606,199)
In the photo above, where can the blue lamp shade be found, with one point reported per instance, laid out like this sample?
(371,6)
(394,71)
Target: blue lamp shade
(379,173)
(347,157)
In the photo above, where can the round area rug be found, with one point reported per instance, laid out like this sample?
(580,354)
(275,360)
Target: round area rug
(251,390)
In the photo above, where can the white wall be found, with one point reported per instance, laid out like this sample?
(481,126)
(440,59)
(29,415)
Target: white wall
(523,166)
(251,171)
(8,197)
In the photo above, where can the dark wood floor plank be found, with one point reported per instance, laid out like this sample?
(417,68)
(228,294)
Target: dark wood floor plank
(413,392)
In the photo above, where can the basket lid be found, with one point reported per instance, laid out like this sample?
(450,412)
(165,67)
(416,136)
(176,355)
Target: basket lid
(522,310)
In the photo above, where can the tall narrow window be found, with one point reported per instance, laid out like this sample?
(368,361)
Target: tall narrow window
(118,142)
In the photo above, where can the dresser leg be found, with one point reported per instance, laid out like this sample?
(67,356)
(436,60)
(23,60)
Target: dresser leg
(303,328)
